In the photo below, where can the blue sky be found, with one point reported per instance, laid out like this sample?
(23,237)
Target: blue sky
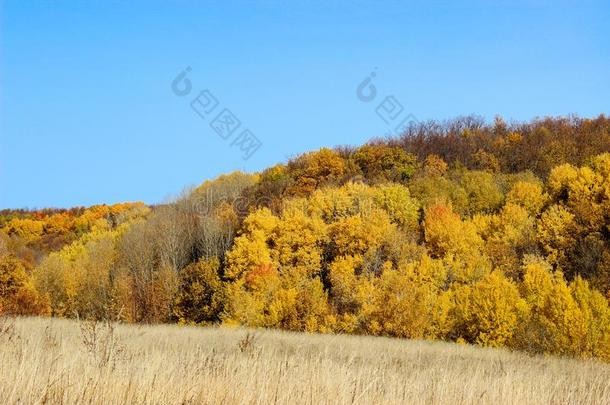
(87,114)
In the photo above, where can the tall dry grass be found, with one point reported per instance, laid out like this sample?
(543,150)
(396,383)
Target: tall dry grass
(60,361)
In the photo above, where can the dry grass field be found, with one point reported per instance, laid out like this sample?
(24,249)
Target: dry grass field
(60,361)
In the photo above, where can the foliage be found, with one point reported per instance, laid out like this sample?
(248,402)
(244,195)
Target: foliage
(497,235)
(18,296)
(385,163)
(489,311)
(200,293)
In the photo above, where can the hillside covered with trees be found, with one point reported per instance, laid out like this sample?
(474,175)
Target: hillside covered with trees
(493,234)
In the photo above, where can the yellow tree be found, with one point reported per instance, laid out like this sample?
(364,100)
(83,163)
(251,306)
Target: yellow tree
(383,163)
(508,235)
(446,235)
(556,324)
(433,190)
(200,296)
(434,165)
(594,308)
(28,229)
(315,169)
(489,311)
(18,296)
(349,292)
(409,301)
(250,249)
(484,193)
(359,234)
(396,200)
(298,241)
(529,195)
(556,231)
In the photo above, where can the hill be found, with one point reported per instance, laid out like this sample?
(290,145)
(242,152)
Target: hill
(493,234)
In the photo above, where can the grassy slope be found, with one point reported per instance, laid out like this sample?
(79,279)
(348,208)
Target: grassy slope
(45,360)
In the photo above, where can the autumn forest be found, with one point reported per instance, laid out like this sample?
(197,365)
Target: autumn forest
(495,234)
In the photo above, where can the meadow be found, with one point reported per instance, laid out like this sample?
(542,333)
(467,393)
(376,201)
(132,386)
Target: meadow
(46,360)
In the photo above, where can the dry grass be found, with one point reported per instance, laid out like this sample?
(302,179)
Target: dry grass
(60,361)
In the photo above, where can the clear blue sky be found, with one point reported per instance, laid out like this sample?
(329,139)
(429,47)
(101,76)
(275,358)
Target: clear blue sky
(87,114)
